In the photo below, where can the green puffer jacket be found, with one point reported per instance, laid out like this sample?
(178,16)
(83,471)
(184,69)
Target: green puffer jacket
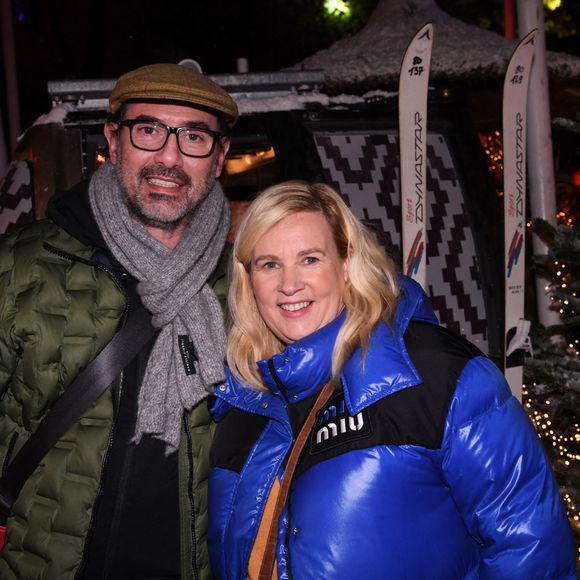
(56,314)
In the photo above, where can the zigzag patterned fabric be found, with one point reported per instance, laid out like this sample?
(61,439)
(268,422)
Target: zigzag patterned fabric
(16,197)
(364,167)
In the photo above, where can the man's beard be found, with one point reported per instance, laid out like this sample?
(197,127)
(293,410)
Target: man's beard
(155,216)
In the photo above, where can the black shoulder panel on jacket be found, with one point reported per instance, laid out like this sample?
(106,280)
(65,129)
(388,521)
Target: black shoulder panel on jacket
(439,356)
(234,438)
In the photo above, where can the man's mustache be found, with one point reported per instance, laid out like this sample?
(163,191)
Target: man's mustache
(162,171)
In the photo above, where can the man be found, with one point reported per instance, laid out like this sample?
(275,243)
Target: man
(123,493)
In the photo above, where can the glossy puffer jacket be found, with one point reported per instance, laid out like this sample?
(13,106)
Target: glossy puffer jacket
(423,465)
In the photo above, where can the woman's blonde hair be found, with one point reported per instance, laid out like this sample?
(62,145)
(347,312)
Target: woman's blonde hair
(370,294)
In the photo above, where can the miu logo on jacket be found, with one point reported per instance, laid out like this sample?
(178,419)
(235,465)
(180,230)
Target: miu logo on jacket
(334,426)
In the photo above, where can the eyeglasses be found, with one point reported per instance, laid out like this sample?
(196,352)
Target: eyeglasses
(153,135)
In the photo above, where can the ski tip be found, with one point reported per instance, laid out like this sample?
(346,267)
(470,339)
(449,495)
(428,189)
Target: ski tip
(425,32)
(529,38)
(417,58)
(518,68)
(424,36)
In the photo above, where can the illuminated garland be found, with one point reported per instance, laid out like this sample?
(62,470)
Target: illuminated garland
(553,375)
(551,391)
(564,446)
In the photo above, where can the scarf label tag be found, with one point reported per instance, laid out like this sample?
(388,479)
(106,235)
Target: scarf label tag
(188,354)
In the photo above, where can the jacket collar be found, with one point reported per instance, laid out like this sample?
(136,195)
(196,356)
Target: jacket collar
(305,365)
(71,210)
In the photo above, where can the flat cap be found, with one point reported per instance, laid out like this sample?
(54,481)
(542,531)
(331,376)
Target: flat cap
(173,82)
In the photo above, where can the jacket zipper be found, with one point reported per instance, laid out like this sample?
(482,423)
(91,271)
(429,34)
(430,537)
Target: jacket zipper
(284,393)
(287,533)
(191,497)
(277,380)
(83,562)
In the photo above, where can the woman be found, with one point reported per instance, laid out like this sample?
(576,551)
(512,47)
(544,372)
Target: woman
(421,464)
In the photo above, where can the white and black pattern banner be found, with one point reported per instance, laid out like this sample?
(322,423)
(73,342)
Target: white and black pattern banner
(16,197)
(364,167)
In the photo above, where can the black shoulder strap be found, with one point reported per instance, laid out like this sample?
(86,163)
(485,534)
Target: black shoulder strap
(91,382)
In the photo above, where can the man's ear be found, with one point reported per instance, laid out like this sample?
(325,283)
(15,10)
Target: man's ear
(111,131)
(221,158)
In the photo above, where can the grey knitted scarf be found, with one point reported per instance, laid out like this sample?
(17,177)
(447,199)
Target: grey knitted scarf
(172,286)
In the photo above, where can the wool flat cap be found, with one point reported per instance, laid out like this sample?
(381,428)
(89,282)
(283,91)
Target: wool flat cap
(173,82)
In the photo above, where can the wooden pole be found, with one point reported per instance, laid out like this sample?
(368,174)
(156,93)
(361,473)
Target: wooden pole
(13,108)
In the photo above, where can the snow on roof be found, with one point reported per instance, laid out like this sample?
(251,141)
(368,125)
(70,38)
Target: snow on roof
(372,57)
(253,103)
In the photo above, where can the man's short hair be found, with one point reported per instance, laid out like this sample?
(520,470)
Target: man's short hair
(173,83)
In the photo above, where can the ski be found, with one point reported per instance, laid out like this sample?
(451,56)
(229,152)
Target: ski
(515,97)
(413,89)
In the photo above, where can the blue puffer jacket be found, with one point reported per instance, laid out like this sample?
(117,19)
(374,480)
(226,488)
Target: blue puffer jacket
(422,466)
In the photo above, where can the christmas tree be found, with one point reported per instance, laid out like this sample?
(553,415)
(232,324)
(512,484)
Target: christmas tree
(552,375)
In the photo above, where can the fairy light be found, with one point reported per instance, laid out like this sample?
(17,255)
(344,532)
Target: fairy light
(562,439)
(493,147)
(492,144)
(568,458)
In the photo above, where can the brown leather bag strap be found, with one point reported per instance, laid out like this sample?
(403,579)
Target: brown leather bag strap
(270,552)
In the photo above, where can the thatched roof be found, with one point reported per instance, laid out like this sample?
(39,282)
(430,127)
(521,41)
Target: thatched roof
(371,58)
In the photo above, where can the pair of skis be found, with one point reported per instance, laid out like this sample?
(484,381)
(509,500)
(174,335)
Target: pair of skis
(413,91)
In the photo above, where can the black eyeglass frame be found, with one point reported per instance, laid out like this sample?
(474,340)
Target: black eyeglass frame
(130,123)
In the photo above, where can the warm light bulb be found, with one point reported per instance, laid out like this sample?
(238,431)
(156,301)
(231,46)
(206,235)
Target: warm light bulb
(338,7)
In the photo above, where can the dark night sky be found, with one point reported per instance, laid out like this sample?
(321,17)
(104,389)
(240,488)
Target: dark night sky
(81,39)
(66,39)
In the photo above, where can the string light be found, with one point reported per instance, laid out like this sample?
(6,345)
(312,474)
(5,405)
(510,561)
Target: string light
(492,143)
(493,147)
(553,415)
(551,420)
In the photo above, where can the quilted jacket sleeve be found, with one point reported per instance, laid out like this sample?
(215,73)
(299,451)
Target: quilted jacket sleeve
(502,481)
(7,309)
